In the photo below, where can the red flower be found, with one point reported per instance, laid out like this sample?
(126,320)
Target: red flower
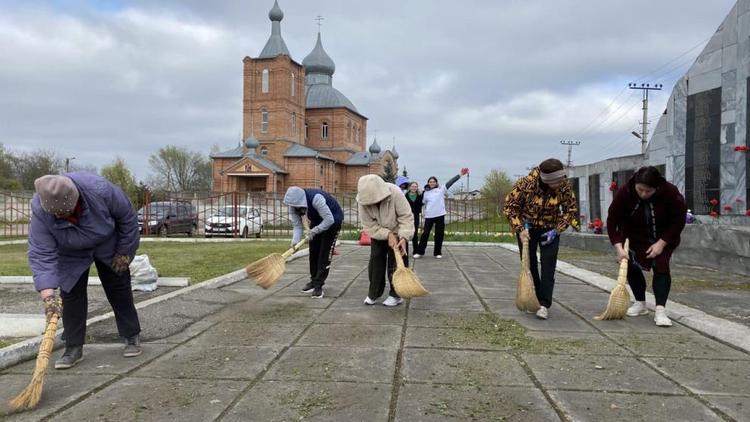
(738,200)
(714,214)
(727,207)
(741,148)
(613,186)
(714,202)
(747,212)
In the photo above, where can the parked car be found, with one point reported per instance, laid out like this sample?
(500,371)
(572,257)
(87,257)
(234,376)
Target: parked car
(228,221)
(169,217)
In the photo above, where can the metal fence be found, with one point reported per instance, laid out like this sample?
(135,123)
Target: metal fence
(464,216)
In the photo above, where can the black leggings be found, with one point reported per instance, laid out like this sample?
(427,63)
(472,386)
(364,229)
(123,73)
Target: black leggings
(439,223)
(662,283)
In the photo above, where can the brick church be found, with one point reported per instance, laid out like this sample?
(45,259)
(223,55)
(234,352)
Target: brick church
(298,130)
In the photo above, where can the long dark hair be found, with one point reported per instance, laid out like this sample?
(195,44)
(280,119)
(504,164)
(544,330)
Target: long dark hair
(648,176)
(427,186)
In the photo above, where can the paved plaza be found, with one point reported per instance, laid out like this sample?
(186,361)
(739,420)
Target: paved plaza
(464,352)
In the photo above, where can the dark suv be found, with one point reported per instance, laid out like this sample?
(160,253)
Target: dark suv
(165,218)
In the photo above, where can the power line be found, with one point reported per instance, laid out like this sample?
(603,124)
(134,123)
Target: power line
(570,145)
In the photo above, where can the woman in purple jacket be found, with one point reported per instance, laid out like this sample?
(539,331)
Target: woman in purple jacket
(651,213)
(79,219)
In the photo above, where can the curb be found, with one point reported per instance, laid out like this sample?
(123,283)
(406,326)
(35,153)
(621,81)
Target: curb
(95,281)
(727,331)
(29,348)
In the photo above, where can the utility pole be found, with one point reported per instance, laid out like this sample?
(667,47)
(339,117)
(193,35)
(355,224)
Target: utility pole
(67,163)
(645,88)
(570,145)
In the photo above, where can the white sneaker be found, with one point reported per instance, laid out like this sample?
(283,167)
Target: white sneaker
(392,301)
(637,309)
(542,313)
(660,317)
(416,256)
(369,301)
(439,256)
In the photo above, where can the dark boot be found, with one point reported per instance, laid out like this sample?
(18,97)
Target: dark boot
(70,357)
(132,347)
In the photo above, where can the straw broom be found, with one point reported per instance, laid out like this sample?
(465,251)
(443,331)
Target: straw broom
(619,298)
(526,299)
(405,280)
(266,271)
(29,397)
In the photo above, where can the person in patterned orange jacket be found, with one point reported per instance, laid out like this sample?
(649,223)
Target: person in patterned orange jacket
(544,202)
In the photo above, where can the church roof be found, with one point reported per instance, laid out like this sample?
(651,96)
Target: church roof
(326,96)
(297,150)
(275,46)
(237,153)
(361,158)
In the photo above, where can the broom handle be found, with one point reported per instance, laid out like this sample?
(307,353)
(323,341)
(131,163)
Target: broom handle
(623,273)
(399,258)
(294,249)
(525,253)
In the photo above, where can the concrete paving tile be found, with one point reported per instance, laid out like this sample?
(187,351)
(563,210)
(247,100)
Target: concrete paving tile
(58,392)
(680,345)
(302,300)
(454,338)
(428,403)
(215,296)
(437,301)
(334,364)
(462,367)
(384,336)
(603,406)
(706,376)
(598,373)
(216,362)
(313,401)
(248,334)
(156,399)
(736,407)
(560,319)
(496,292)
(271,313)
(363,314)
(574,342)
(162,327)
(190,331)
(439,319)
(98,359)
(453,288)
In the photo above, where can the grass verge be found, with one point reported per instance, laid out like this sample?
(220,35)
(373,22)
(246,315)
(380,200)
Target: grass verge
(199,261)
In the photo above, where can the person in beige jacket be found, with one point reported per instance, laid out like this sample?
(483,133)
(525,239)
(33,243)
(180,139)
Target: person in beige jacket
(386,216)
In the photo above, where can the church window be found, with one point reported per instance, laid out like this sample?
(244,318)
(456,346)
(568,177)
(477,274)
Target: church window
(306,131)
(294,84)
(264,81)
(294,123)
(324,131)
(264,121)
(263,151)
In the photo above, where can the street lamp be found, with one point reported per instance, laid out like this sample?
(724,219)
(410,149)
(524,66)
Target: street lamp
(67,163)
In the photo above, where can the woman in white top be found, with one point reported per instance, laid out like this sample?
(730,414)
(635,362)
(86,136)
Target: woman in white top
(434,213)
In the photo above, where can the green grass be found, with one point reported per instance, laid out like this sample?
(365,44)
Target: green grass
(199,261)
(492,224)
(4,343)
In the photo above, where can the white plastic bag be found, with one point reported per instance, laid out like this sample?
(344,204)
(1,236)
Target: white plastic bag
(143,275)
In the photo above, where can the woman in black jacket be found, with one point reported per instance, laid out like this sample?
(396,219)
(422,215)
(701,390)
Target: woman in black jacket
(414,196)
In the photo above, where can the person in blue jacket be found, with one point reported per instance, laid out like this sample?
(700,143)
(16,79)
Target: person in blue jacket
(78,219)
(325,216)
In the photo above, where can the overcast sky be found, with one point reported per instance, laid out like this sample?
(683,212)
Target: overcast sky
(479,84)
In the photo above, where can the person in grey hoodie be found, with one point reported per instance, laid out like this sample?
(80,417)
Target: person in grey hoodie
(325,216)
(387,218)
(79,219)
(434,213)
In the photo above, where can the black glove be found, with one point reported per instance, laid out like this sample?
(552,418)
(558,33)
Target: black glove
(52,306)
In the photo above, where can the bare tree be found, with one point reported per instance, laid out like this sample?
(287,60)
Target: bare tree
(178,169)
